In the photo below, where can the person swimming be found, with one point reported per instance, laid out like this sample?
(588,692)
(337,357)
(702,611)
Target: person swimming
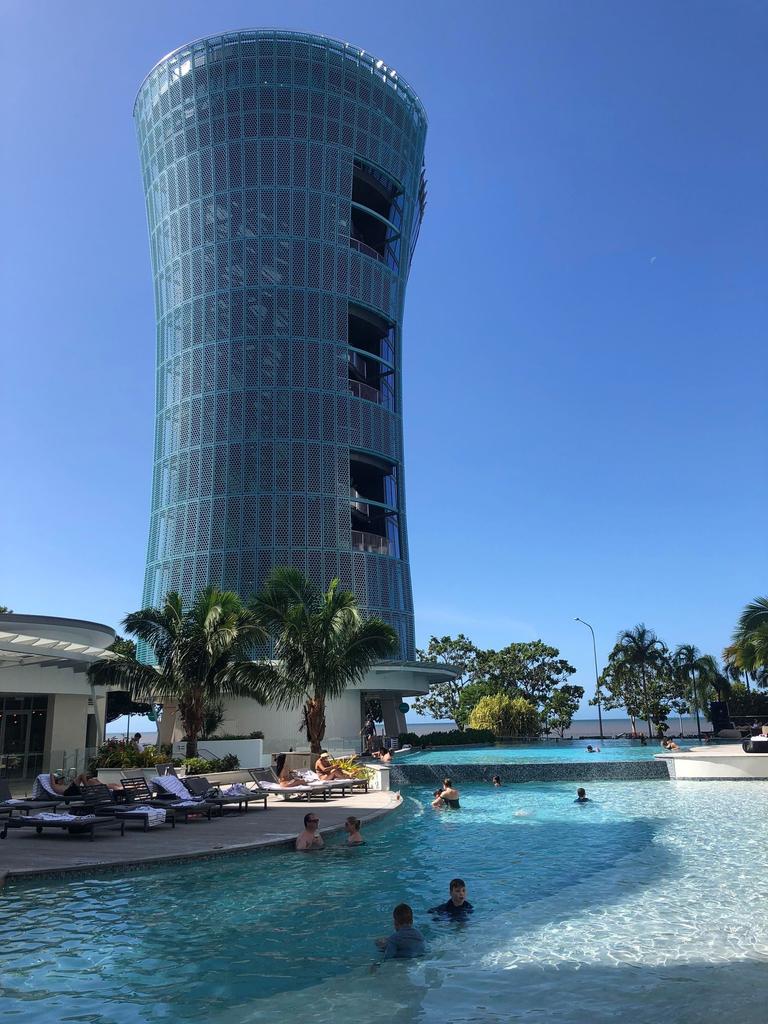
(581,796)
(592,750)
(496,780)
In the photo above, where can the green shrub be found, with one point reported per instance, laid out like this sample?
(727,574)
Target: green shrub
(201,766)
(506,716)
(456,737)
(116,753)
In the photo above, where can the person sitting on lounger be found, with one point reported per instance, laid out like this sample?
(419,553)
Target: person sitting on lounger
(284,777)
(310,838)
(327,771)
(352,828)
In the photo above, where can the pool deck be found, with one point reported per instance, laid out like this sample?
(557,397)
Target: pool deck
(25,854)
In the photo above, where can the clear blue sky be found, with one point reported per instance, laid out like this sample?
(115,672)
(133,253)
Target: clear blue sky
(584,356)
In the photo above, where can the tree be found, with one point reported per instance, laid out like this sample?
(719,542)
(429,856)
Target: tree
(532,670)
(5,610)
(643,650)
(469,697)
(560,708)
(505,716)
(712,677)
(459,653)
(685,661)
(322,643)
(748,650)
(198,651)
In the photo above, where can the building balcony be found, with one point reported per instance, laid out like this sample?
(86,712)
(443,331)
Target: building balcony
(373,542)
(360,390)
(366,250)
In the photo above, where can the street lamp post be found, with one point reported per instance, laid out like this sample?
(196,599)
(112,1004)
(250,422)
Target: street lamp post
(597,675)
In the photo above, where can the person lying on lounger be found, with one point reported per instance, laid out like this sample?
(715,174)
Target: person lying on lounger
(55,784)
(284,777)
(327,771)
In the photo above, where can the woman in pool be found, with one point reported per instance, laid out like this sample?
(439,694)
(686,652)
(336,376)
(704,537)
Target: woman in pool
(384,756)
(352,828)
(450,795)
(496,780)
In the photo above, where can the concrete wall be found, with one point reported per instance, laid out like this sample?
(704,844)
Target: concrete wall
(580,773)
(66,729)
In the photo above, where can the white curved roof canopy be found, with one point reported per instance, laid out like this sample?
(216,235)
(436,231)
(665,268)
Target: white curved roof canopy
(45,640)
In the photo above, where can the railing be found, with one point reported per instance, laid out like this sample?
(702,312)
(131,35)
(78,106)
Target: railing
(359,505)
(373,542)
(366,250)
(361,390)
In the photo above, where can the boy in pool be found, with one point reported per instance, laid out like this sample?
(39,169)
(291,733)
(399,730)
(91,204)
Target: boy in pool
(581,796)
(405,941)
(458,906)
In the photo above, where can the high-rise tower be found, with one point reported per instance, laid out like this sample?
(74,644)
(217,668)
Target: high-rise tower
(284,185)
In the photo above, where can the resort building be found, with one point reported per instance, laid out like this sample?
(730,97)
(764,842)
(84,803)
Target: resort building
(285,187)
(49,712)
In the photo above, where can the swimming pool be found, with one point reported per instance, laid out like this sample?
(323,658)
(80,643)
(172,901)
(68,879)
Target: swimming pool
(547,751)
(643,902)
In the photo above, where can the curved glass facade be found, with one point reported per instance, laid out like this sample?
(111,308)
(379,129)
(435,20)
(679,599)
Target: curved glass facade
(283,175)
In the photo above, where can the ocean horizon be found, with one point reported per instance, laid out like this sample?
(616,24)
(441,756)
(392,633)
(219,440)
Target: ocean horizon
(584,728)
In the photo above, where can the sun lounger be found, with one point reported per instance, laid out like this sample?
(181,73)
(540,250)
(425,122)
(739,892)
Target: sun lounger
(137,790)
(345,785)
(74,824)
(198,785)
(265,780)
(43,790)
(8,804)
(100,800)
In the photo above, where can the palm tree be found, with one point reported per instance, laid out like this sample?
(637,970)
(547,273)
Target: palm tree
(198,653)
(641,648)
(322,646)
(686,662)
(711,675)
(748,649)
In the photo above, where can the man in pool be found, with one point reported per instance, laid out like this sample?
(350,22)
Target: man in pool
(310,838)
(458,906)
(581,796)
(592,750)
(405,941)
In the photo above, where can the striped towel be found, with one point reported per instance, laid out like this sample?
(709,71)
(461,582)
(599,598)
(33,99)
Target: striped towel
(155,815)
(42,788)
(64,818)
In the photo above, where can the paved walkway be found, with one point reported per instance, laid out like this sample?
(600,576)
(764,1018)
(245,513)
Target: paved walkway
(25,854)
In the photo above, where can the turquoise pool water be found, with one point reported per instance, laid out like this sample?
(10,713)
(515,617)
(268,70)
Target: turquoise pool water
(539,753)
(643,904)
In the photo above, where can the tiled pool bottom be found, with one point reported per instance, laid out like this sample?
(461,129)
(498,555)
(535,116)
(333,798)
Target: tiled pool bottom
(642,904)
